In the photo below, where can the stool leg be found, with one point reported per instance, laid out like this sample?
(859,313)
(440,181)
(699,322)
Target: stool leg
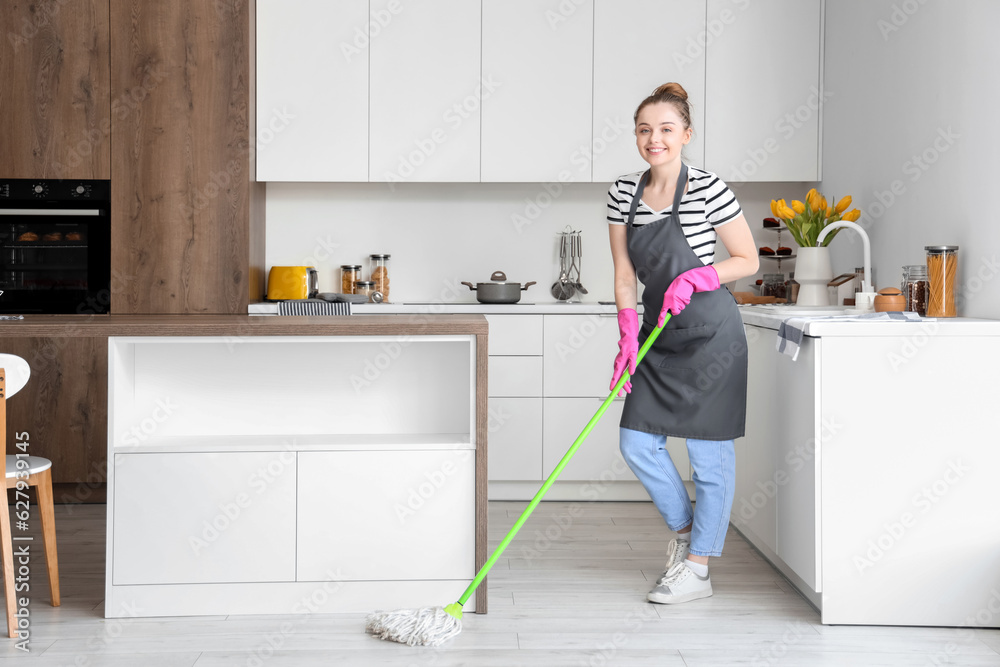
(7,549)
(43,487)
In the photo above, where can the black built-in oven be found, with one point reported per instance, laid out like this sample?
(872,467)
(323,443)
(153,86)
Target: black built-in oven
(55,246)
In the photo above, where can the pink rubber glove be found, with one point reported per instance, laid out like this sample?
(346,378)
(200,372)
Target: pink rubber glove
(628,348)
(678,295)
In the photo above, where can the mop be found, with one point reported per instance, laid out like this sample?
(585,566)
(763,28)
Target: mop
(432,626)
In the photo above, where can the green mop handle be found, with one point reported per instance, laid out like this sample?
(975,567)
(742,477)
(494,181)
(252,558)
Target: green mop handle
(559,468)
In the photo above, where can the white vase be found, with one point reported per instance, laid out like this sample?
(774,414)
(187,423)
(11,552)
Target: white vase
(812,272)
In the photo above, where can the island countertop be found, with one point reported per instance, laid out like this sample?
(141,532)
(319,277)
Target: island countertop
(241,325)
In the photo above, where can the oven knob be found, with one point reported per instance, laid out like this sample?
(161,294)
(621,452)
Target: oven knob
(80,189)
(39,189)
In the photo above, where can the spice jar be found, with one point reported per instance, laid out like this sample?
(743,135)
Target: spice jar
(379,266)
(915,288)
(942,274)
(774,285)
(365,287)
(349,275)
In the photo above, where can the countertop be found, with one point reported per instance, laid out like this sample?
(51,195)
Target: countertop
(820,326)
(241,325)
(527,308)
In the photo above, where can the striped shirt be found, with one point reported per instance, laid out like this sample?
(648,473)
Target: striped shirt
(707,204)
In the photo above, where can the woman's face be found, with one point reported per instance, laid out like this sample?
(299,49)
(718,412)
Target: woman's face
(660,134)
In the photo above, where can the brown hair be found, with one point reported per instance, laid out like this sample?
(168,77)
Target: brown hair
(670,93)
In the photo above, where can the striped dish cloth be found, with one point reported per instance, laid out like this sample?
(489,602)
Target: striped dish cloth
(314,307)
(791,331)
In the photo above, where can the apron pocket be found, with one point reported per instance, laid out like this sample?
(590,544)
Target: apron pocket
(684,349)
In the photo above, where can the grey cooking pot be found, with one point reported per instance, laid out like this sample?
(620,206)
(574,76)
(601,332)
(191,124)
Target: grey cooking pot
(498,290)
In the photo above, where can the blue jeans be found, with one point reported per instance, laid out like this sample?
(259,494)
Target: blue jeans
(714,463)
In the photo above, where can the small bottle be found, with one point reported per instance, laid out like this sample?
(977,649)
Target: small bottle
(349,275)
(774,285)
(915,288)
(379,266)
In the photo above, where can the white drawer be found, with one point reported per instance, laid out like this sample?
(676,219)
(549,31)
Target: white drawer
(599,458)
(579,354)
(515,335)
(515,376)
(515,439)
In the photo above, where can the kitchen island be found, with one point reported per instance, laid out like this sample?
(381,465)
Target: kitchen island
(290,465)
(868,472)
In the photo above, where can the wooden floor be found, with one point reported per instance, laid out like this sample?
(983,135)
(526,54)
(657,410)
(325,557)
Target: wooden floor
(569,591)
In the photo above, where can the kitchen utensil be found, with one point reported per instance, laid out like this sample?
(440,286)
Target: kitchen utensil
(578,261)
(432,626)
(498,290)
(563,289)
(292,282)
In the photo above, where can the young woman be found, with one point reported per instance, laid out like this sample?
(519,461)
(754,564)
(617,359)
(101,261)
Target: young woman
(692,383)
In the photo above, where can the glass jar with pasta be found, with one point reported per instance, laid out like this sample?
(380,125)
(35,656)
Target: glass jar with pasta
(942,275)
(380,274)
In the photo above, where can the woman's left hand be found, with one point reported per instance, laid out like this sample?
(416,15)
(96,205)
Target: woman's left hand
(678,295)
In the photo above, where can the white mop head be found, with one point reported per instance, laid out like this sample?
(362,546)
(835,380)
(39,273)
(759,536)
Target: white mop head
(430,626)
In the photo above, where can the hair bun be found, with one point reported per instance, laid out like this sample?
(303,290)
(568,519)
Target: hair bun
(673,88)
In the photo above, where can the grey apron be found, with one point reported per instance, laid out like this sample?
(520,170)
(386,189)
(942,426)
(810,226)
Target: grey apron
(692,382)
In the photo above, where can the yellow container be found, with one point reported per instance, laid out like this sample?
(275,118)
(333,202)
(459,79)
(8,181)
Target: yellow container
(292,282)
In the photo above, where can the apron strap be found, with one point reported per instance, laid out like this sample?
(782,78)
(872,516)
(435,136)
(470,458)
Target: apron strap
(675,215)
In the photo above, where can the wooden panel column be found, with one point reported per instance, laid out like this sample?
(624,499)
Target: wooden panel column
(181,160)
(55,95)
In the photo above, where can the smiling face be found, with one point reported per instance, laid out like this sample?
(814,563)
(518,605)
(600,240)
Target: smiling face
(660,134)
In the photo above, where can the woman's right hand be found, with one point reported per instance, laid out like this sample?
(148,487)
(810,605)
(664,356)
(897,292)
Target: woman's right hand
(628,348)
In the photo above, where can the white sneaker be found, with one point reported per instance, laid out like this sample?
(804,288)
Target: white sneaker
(677,552)
(681,584)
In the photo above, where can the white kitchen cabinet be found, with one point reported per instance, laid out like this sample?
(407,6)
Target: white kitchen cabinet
(518,335)
(423,500)
(211,517)
(537,118)
(623,76)
(312,90)
(515,437)
(764,90)
(579,354)
(599,458)
(515,376)
(426,92)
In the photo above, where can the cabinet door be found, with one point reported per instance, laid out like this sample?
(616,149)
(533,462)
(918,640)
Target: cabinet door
(754,504)
(515,436)
(312,89)
(622,79)
(579,353)
(415,510)
(538,58)
(515,376)
(515,334)
(599,457)
(204,518)
(426,91)
(55,109)
(763,90)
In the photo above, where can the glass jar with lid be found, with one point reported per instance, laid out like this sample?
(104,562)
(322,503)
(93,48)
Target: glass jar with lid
(942,276)
(915,288)
(365,287)
(774,285)
(350,274)
(379,267)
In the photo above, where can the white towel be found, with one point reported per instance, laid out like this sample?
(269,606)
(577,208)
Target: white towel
(792,330)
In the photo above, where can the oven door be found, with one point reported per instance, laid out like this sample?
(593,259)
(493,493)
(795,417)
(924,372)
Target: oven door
(55,260)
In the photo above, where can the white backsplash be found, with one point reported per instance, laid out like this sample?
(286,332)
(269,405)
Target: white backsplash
(442,233)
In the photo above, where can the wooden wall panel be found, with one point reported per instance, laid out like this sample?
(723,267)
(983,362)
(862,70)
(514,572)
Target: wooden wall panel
(55,95)
(64,406)
(180,163)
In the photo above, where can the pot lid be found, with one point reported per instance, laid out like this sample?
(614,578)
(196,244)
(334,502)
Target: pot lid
(498,278)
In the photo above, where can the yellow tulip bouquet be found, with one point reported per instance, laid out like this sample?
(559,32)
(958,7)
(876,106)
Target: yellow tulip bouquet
(805,220)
